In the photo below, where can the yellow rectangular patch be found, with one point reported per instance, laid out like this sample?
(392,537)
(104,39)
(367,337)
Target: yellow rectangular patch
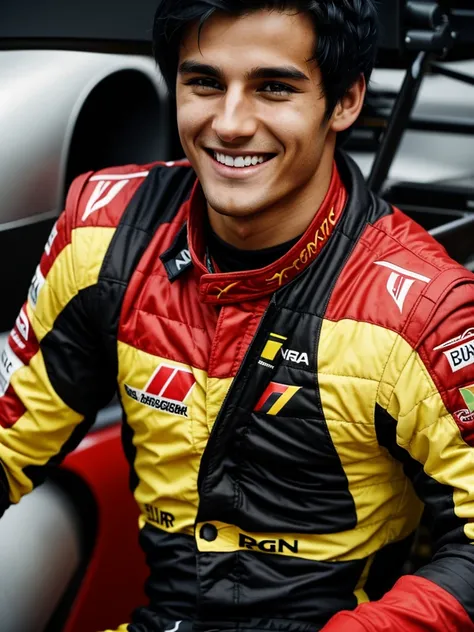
(271,349)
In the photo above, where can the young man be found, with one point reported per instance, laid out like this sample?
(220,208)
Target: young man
(292,354)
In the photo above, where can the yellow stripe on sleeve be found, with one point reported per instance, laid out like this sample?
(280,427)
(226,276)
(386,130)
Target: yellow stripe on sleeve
(428,432)
(76,267)
(38,435)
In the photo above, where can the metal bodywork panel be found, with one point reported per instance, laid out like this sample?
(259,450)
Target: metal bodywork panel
(40,552)
(41,96)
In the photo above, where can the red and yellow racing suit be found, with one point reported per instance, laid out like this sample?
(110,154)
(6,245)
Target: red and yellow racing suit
(285,426)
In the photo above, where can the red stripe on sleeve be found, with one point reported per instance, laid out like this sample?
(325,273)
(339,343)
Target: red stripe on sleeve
(11,408)
(22,339)
(414,604)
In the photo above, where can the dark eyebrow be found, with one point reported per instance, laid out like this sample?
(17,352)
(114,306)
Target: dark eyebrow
(194,67)
(277,72)
(272,72)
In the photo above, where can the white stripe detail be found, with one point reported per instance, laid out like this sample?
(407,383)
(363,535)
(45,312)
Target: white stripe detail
(408,273)
(399,290)
(171,377)
(467,335)
(35,287)
(9,363)
(95,202)
(125,176)
(51,238)
(175,627)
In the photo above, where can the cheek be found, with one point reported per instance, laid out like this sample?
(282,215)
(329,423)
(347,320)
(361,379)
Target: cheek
(300,130)
(191,118)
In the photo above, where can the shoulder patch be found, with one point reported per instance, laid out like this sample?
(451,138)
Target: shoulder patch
(394,264)
(106,195)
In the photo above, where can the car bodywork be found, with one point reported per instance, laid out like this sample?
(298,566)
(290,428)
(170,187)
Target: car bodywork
(71,102)
(63,113)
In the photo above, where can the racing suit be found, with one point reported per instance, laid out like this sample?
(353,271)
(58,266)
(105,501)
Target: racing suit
(285,426)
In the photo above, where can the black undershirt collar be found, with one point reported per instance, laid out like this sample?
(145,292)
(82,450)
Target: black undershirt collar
(231,259)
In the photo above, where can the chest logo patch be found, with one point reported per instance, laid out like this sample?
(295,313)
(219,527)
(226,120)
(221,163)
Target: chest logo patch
(275,397)
(166,390)
(273,345)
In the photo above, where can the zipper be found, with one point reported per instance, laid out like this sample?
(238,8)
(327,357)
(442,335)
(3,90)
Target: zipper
(207,460)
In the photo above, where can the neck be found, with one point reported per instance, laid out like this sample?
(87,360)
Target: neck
(279,223)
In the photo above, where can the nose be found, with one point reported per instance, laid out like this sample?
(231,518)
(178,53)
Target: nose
(235,118)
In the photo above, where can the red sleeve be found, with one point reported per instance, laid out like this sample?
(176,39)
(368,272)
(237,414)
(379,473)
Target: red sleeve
(413,604)
(428,425)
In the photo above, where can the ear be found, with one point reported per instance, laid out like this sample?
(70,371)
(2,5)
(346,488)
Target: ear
(348,108)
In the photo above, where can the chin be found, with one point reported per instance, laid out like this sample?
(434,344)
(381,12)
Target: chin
(234,210)
(243,206)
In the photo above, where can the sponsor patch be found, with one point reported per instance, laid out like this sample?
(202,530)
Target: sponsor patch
(400,282)
(459,351)
(167,389)
(51,238)
(164,518)
(464,416)
(176,265)
(23,324)
(467,393)
(275,398)
(9,363)
(295,356)
(267,545)
(273,345)
(35,287)
(102,195)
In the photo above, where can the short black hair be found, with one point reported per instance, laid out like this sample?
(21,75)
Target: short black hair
(346,36)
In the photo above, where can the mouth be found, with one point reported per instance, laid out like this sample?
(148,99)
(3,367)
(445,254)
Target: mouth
(247,161)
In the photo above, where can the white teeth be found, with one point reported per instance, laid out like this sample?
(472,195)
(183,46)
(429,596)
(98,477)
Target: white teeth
(238,161)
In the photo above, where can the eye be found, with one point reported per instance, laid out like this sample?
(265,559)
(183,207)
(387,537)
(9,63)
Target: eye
(278,89)
(204,84)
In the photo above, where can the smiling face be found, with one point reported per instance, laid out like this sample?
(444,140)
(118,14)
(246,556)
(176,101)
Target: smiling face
(251,118)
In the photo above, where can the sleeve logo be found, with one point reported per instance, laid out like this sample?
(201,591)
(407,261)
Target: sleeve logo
(400,281)
(166,390)
(467,394)
(459,351)
(21,332)
(466,416)
(102,195)
(35,287)
(275,398)
(51,238)
(9,363)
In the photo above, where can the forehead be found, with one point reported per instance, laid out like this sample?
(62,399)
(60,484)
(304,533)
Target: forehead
(261,37)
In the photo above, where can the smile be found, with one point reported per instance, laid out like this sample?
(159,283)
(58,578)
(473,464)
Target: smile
(239,161)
